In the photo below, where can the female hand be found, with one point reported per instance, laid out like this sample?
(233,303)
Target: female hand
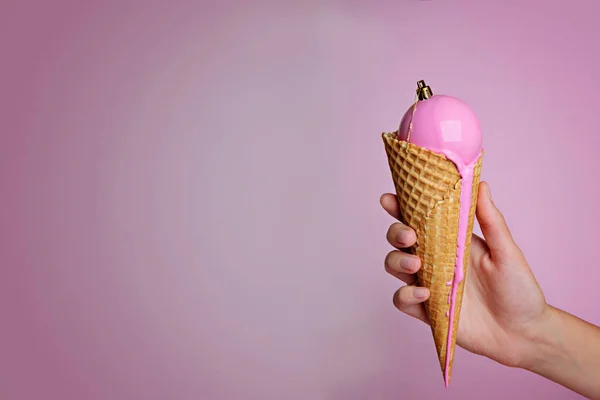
(502,304)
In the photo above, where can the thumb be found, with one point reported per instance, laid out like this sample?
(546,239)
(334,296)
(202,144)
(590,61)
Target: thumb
(492,224)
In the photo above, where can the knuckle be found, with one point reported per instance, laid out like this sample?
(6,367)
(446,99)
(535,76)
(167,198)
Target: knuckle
(400,299)
(388,234)
(392,232)
(387,261)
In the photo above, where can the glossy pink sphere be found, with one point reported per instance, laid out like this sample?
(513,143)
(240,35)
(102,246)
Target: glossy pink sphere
(446,125)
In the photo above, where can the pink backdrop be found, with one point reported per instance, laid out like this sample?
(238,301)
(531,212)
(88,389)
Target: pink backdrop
(190,191)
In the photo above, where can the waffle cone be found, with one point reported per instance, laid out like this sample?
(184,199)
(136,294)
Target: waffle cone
(428,188)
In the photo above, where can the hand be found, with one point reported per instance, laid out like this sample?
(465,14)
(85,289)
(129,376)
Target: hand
(502,304)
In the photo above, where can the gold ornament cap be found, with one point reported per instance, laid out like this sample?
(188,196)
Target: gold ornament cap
(423,91)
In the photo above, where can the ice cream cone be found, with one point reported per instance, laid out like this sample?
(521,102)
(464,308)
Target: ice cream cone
(428,187)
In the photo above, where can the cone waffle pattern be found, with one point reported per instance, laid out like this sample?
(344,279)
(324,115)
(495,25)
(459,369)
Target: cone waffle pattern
(428,189)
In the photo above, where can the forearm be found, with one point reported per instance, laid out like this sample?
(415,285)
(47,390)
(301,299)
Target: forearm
(566,350)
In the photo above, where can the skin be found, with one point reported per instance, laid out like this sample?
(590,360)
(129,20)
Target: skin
(505,316)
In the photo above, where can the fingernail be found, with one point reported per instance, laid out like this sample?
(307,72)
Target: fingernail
(407,263)
(489,192)
(420,292)
(402,236)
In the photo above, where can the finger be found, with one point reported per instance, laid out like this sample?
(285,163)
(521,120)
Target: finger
(389,202)
(401,236)
(409,300)
(493,225)
(398,262)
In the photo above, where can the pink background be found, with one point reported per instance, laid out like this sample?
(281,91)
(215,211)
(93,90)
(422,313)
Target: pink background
(190,191)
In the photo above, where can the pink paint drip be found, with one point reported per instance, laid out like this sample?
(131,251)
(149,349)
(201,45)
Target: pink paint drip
(466,193)
(449,283)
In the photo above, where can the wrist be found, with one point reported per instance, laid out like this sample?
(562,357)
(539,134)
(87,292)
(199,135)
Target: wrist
(543,341)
